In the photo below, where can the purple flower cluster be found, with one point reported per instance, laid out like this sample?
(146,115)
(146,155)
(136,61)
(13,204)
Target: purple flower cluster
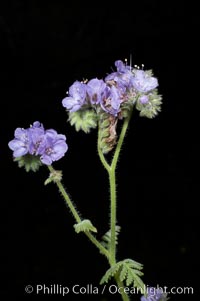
(110,94)
(155,294)
(47,144)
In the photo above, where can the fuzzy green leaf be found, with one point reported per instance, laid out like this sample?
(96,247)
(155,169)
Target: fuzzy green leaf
(129,271)
(133,264)
(84,226)
(133,278)
(123,274)
(111,272)
(106,239)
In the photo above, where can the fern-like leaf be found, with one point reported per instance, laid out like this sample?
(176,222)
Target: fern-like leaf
(106,239)
(131,272)
(133,264)
(84,226)
(123,273)
(111,272)
(128,271)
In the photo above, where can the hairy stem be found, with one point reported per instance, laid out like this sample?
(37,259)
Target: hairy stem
(120,142)
(77,216)
(66,198)
(111,169)
(113,211)
(121,288)
(113,192)
(98,244)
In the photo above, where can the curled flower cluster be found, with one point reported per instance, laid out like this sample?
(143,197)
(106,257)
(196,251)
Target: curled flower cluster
(155,294)
(125,85)
(112,99)
(47,145)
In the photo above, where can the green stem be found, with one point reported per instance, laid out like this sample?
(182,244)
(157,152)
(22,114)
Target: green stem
(111,169)
(120,142)
(77,217)
(66,197)
(113,210)
(112,180)
(120,285)
(98,244)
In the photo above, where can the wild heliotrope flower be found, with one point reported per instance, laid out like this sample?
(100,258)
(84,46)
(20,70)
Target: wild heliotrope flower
(155,294)
(20,145)
(53,147)
(76,98)
(96,90)
(36,136)
(48,145)
(101,104)
(105,102)
(144,82)
(123,76)
(112,100)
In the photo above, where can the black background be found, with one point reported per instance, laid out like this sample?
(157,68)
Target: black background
(45,47)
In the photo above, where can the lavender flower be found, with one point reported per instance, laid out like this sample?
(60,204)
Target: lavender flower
(143,82)
(123,76)
(76,98)
(121,67)
(116,95)
(20,144)
(112,100)
(155,294)
(54,147)
(95,90)
(36,135)
(48,145)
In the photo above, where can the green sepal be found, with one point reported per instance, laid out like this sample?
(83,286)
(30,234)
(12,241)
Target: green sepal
(85,226)
(127,106)
(85,120)
(54,176)
(152,107)
(29,162)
